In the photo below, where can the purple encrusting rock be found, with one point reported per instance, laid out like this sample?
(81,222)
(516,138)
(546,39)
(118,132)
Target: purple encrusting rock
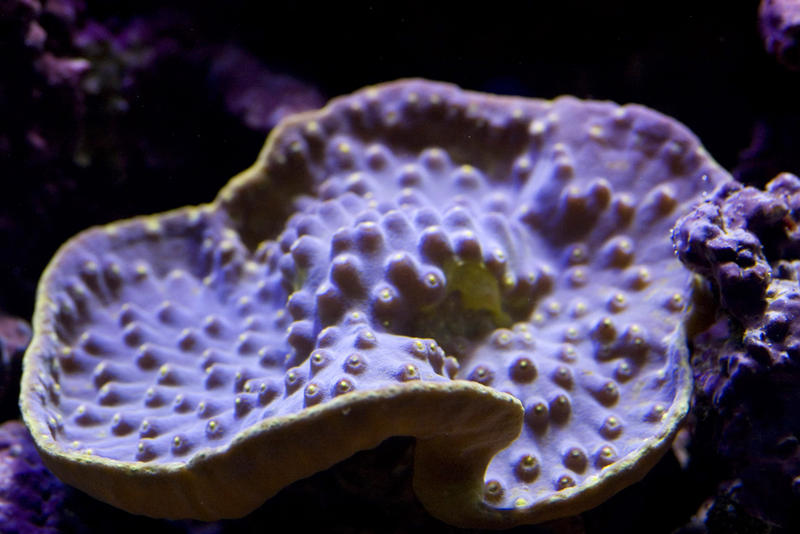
(779,22)
(733,237)
(747,366)
(493,275)
(15,333)
(30,496)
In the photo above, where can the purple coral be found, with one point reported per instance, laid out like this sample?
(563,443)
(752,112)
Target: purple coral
(14,337)
(779,22)
(747,366)
(30,496)
(413,259)
(732,238)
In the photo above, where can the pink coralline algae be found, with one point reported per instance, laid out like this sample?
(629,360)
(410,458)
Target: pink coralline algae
(747,366)
(492,275)
(779,22)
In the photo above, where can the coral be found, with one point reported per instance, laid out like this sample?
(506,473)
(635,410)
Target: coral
(30,496)
(14,336)
(491,275)
(779,22)
(747,367)
(723,240)
(733,238)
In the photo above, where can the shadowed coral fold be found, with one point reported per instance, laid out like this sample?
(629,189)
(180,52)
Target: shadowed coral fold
(492,275)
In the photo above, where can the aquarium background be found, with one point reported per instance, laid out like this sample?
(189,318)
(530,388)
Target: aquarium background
(115,109)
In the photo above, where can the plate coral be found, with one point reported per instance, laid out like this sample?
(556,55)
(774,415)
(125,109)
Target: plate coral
(492,275)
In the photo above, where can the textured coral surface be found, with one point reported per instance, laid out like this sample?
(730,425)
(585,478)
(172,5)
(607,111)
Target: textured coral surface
(747,366)
(409,233)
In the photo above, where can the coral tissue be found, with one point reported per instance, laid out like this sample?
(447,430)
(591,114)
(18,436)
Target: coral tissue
(493,275)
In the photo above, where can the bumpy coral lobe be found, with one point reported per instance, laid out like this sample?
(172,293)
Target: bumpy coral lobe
(747,366)
(431,236)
